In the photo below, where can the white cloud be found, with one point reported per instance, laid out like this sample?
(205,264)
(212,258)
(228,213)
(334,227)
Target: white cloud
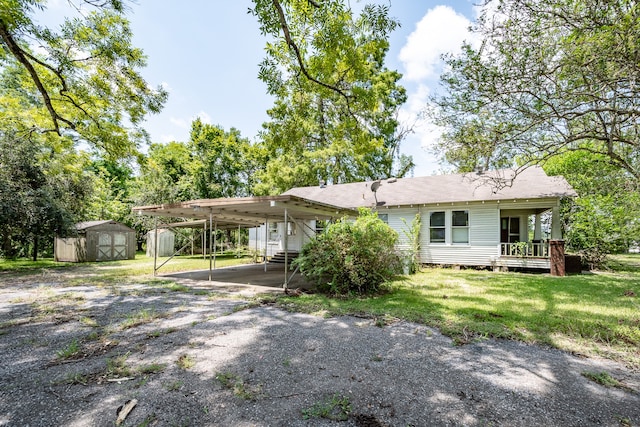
(180,122)
(441,30)
(204,117)
(165,138)
(183,123)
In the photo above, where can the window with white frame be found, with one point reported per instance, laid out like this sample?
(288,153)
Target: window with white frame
(273,231)
(384,218)
(437,227)
(460,226)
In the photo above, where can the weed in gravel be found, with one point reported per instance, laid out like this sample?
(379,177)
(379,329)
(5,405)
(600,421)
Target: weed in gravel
(88,321)
(174,385)
(160,332)
(239,387)
(117,367)
(376,358)
(185,362)
(175,287)
(605,379)
(140,317)
(149,421)
(286,362)
(152,368)
(76,378)
(69,351)
(624,422)
(335,408)
(93,336)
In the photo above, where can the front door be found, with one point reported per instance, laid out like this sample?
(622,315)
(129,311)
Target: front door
(509,229)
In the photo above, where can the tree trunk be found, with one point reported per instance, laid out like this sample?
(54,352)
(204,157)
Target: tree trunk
(7,246)
(35,247)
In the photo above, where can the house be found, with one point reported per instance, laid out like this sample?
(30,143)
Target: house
(97,241)
(498,218)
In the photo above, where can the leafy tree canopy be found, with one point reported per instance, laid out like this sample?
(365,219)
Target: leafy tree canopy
(32,204)
(549,76)
(604,218)
(81,80)
(335,114)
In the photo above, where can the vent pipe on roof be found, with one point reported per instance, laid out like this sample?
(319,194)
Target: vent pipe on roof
(322,183)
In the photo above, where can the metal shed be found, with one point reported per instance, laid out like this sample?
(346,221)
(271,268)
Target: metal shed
(97,241)
(165,244)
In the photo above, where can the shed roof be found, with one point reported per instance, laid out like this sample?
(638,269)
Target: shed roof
(530,183)
(82,226)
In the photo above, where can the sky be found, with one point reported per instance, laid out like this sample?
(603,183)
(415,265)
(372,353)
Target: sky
(206,54)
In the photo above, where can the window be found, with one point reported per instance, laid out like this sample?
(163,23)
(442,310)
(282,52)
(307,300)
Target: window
(384,218)
(437,227)
(460,226)
(273,231)
(291,228)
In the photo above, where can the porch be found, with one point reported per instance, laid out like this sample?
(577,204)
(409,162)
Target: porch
(525,249)
(525,236)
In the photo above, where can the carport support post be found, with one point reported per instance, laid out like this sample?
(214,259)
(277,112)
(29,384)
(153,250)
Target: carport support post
(266,239)
(155,245)
(204,240)
(286,247)
(210,242)
(257,231)
(215,232)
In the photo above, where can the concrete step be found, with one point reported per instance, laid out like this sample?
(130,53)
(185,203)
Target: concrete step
(278,258)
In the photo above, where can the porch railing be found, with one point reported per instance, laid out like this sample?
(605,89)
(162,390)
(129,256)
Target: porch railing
(525,249)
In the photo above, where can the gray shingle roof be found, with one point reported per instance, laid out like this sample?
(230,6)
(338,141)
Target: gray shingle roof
(531,183)
(88,224)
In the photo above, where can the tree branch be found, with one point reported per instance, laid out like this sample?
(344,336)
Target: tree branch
(21,56)
(287,35)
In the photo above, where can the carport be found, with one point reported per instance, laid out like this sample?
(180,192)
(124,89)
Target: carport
(244,212)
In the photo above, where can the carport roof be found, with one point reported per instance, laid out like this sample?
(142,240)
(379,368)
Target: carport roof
(247,211)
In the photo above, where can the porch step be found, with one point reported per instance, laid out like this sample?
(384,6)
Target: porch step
(278,258)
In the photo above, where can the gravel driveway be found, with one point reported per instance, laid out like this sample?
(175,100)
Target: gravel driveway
(73,353)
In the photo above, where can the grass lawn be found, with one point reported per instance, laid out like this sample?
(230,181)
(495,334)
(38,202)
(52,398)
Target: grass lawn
(140,268)
(590,314)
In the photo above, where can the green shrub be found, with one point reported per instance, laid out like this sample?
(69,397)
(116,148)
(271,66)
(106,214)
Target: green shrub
(351,257)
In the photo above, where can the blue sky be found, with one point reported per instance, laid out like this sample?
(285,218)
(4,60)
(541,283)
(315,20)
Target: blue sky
(206,54)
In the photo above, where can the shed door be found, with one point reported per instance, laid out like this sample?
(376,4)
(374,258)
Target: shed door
(119,246)
(112,246)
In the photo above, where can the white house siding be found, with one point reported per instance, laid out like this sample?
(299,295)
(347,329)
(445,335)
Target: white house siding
(275,241)
(483,248)
(484,236)
(395,221)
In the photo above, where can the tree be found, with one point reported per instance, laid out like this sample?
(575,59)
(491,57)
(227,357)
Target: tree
(83,79)
(351,257)
(603,219)
(549,76)
(222,162)
(31,204)
(335,114)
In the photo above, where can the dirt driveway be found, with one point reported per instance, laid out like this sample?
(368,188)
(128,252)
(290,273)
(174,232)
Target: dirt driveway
(73,352)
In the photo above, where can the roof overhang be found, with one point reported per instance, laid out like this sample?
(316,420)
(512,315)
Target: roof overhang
(247,211)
